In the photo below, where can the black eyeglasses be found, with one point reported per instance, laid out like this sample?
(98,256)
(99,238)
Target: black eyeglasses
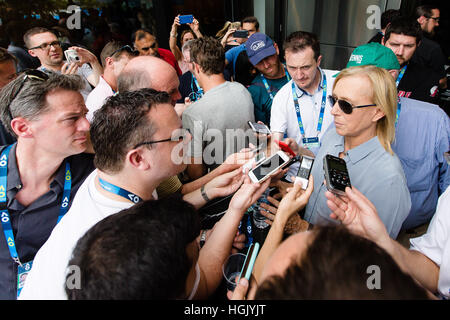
(46,46)
(183,137)
(345,106)
(127,48)
(28,74)
(150,47)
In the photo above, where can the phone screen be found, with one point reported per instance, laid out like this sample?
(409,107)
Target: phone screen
(338,165)
(261,128)
(306,163)
(268,166)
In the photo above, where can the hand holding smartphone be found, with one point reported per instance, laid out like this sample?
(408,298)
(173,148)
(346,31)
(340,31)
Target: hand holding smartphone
(268,167)
(71,56)
(249,262)
(240,34)
(259,127)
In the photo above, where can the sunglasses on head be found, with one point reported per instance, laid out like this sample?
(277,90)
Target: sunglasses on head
(345,106)
(32,74)
(126,48)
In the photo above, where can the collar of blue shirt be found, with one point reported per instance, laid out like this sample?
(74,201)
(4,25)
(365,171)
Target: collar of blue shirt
(360,152)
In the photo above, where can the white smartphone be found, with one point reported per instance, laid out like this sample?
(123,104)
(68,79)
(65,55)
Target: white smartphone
(268,167)
(71,56)
(259,128)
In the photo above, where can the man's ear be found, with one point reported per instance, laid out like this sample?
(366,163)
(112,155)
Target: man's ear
(21,127)
(31,52)
(136,159)
(276,48)
(319,59)
(109,61)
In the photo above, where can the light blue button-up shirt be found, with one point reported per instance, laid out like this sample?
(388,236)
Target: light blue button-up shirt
(373,171)
(421,138)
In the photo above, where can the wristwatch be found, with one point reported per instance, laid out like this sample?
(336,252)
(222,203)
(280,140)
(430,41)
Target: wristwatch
(202,238)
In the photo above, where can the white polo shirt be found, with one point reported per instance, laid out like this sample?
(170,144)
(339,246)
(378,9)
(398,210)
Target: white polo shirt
(435,244)
(97,97)
(283,117)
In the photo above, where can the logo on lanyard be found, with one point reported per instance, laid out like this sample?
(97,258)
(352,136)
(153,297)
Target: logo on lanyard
(23,268)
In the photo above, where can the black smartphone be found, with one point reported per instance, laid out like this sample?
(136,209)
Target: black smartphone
(304,171)
(240,34)
(336,174)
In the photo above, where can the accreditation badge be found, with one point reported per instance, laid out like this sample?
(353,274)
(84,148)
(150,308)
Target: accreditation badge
(311,142)
(22,273)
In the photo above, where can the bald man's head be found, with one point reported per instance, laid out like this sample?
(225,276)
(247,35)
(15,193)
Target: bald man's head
(149,72)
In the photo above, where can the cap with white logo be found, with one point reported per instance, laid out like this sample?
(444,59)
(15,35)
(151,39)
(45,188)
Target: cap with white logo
(259,46)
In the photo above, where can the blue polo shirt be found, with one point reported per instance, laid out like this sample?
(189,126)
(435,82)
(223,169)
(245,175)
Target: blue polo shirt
(32,225)
(373,171)
(421,138)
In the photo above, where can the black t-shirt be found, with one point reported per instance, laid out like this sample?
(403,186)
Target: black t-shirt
(185,87)
(429,54)
(419,83)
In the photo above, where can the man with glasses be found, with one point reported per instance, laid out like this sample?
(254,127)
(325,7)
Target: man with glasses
(147,45)
(43,44)
(114,56)
(41,173)
(129,168)
(429,52)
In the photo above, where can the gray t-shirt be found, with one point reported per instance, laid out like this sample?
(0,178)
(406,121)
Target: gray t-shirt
(84,71)
(218,123)
(373,171)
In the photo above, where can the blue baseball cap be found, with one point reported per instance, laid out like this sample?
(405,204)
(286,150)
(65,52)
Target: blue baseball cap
(259,46)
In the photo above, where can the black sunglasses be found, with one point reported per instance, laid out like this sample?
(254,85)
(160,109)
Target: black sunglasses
(181,138)
(127,48)
(28,74)
(148,48)
(345,106)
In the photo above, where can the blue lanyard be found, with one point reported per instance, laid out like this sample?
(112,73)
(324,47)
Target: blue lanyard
(200,90)
(400,75)
(399,107)
(119,191)
(267,85)
(6,221)
(322,108)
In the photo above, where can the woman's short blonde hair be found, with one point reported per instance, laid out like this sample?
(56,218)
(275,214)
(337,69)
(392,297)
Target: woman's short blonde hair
(384,95)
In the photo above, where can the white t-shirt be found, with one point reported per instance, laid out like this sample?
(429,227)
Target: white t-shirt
(97,97)
(47,278)
(435,244)
(283,117)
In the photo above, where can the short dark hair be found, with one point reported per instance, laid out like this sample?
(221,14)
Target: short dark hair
(138,253)
(335,266)
(209,54)
(425,10)
(406,26)
(140,34)
(251,19)
(121,124)
(388,16)
(31,101)
(300,40)
(31,32)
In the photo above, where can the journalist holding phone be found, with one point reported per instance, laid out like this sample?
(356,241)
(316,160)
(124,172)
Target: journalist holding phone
(364,108)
